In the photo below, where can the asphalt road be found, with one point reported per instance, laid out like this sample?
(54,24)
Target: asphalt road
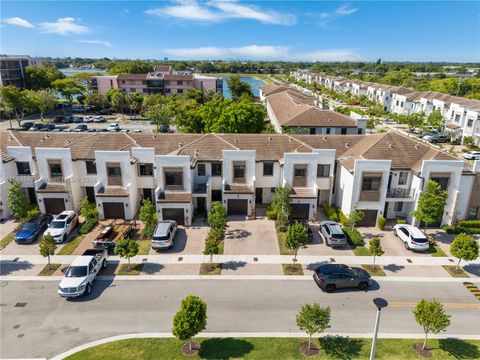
(48,325)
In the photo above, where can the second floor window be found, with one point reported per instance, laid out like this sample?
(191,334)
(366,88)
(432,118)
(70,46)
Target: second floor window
(238,172)
(442,181)
(371,183)
(173,178)
(55,168)
(469,122)
(216,169)
(323,171)
(268,169)
(91,167)
(145,169)
(114,174)
(201,169)
(402,178)
(23,168)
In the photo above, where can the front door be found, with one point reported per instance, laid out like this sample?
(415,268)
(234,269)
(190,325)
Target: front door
(258,195)
(200,205)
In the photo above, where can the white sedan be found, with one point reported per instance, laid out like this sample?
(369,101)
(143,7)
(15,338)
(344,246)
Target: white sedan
(412,237)
(88,119)
(471,155)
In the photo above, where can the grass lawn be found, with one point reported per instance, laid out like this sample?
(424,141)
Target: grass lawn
(211,269)
(143,246)
(270,348)
(452,270)
(6,240)
(221,247)
(70,246)
(49,272)
(281,236)
(361,251)
(287,269)
(134,269)
(378,271)
(436,251)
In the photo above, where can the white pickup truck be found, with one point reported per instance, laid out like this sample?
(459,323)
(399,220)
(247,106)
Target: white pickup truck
(82,272)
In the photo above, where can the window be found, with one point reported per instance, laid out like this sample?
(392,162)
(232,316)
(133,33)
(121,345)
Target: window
(91,167)
(267,169)
(216,169)
(300,175)
(442,181)
(145,169)
(114,174)
(168,91)
(457,118)
(238,171)
(179,82)
(55,168)
(179,91)
(23,168)
(173,178)
(328,130)
(469,122)
(323,171)
(133,90)
(201,169)
(371,183)
(398,206)
(402,178)
(300,172)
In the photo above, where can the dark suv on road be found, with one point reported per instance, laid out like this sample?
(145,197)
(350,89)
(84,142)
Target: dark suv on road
(336,276)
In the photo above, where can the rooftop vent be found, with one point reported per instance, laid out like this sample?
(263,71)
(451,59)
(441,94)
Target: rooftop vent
(67,142)
(235,140)
(390,146)
(417,146)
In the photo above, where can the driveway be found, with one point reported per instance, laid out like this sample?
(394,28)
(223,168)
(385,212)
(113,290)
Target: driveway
(251,237)
(318,247)
(33,248)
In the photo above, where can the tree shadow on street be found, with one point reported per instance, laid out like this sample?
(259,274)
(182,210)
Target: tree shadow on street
(459,349)
(226,348)
(339,347)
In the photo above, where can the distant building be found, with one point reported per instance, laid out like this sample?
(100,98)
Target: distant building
(12,69)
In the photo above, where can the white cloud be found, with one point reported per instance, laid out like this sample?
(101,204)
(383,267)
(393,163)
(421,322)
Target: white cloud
(345,10)
(326,18)
(96,42)
(329,55)
(220,10)
(64,26)
(16,21)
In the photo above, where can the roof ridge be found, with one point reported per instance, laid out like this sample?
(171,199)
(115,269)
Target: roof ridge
(176,151)
(301,142)
(225,141)
(75,142)
(15,137)
(132,139)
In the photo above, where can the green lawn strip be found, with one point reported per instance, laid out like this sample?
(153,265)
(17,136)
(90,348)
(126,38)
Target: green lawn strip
(281,237)
(6,240)
(361,251)
(211,269)
(452,270)
(49,272)
(378,271)
(70,246)
(288,270)
(356,242)
(331,347)
(134,269)
(143,246)
(436,251)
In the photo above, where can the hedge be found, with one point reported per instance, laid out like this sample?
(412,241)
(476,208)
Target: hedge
(353,236)
(330,212)
(469,223)
(461,229)
(88,226)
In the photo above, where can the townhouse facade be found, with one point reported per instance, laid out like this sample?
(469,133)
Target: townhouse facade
(182,174)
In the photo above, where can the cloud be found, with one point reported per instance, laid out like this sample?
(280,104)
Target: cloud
(221,10)
(96,42)
(329,55)
(64,26)
(16,21)
(345,10)
(326,18)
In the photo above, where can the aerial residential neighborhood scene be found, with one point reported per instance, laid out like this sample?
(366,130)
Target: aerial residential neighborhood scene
(239,179)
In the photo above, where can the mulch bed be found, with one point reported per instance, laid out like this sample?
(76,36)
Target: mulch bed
(186,348)
(422,352)
(309,352)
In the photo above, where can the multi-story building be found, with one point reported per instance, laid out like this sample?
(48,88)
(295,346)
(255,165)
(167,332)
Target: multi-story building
(12,69)
(381,174)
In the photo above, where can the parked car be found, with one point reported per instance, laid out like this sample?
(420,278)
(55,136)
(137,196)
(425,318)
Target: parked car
(471,155)
(32,230)
(88,119)
(68,119)
(77,108)
(77,119)
(64,104)
(436,138)
(63,225)
(113,127)
(81,273)
(58,119)
(98,119)
(104,112)
(49,127)
(164,235)
(330,277)
(36,127)
(25,126)
(332,233)
(80,128)
(412,237)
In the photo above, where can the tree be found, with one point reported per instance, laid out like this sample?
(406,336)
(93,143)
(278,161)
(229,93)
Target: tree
(469,141)
(148,215)
(296,238)
(431,316)
(217,215)
(431,204)
(414,120)
(238,87)
(375,249)
(281,205)
(127,248)
(211,248)
(188,118)
(464,247)
(17,200)
(159,114)
(312,319)
(47,247)
(89,212)
(134,101)
(190,319)
(355,216)
(131,67)
(13,100)
(68,87)
(38,78)
(98,101)
(435,119)
(42,101)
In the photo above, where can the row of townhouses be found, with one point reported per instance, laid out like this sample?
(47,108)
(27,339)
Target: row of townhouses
(383,174)
(303,113)
(461,115)
(162,80)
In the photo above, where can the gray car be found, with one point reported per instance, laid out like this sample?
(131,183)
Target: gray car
(332,233)
(330,277)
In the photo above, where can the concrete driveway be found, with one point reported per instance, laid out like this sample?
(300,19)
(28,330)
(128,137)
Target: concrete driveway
(251,237)
(33,248)
(318,246)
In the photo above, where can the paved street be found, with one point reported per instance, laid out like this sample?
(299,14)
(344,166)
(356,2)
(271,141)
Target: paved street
(47,324)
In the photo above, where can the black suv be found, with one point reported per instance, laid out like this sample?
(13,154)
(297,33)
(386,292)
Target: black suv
(336,276)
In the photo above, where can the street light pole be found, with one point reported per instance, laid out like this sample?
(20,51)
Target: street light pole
(380,304)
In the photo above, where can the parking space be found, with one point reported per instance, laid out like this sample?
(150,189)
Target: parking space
(251,237)
(31,249)
(318,246)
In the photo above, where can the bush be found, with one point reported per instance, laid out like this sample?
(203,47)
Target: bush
(271,214)
(469,223)
(343,218)
(353,236)
(401,221)
(88,226)
(330,212)
(381,222)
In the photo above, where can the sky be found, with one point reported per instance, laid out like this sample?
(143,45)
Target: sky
(244,30)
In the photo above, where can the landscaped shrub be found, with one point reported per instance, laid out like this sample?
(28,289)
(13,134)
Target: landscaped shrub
(88,226)
(343,218)
(271,214)
(353,236)
(381,222)
(401,221)
(462,228)
(469,223)
(330,212)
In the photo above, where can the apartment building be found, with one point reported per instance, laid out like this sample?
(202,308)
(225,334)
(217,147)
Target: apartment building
(381,174)
(12,69)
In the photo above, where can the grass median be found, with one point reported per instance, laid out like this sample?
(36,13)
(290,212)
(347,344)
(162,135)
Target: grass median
(6,240)
(70,246)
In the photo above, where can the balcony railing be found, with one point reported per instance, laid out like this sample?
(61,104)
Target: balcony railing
(400,193)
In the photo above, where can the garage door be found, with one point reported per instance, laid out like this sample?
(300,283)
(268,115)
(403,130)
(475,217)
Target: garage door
(113,210)
(369,218)
(237,207)
(54,206)
(174,214)
(300,211)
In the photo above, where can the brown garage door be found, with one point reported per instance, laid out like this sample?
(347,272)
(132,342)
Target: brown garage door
(369,218)
(300,211)
(113,210)
(237,207)
(174,214)
(54,206)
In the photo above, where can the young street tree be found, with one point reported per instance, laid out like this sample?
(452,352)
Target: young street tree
(41,101)
(435,119)
(119,101)
(190,320)
(47,247)
(217,216)
(17,200)
(281,205)
(464,247)
(127,248)
(211,248)
(431,204)
(432,317)
(159,114)
(375,249)
(313,319)
(296,238)
(148,215)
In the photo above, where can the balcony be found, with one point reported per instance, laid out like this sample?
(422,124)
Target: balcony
(400,193)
